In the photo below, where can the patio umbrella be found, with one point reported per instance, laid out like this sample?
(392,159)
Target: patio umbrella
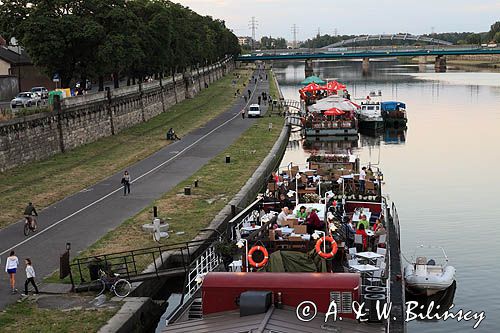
(334,86)
(334,112)
(312,79)
(311,87)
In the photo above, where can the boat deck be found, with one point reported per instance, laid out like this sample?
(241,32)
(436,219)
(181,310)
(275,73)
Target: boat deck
(274,320)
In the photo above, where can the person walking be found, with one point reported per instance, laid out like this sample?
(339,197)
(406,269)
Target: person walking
(126,183)
(243,113)
(362,177)
(30,277)
(11,269)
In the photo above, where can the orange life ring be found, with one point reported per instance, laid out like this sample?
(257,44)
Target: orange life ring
(264,252)
(324,254)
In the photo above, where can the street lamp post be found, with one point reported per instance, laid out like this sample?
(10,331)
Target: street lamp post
(239,244)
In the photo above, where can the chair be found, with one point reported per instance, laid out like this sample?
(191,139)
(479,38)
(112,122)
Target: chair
(381,251)
(353,251)
(379,262)
(382,240)
(353,262)
(358,241)
(376,278)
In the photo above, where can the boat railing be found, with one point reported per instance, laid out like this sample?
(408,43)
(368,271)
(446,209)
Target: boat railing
(205,263)
(250,214)
(329,124)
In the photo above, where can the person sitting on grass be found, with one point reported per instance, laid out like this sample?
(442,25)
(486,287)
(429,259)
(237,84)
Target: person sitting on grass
(171,135)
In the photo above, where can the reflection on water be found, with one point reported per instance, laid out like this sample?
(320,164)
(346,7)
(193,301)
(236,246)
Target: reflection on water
(440,172)
(435,305)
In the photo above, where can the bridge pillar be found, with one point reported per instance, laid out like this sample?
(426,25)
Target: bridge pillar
(366,65)
(309,70)
(440,64)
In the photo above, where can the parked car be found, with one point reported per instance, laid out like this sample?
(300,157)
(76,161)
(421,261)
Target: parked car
(25,99)
(41,91)
(254,111)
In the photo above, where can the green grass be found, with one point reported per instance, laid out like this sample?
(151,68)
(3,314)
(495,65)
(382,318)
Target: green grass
(26,317)
(218,183)
(50,180)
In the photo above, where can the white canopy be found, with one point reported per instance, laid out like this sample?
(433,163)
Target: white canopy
(333,101)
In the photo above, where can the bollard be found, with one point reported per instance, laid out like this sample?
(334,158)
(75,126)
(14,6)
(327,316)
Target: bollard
(187,190)
(196,183)
(155,211)
(228,159)
(233,210)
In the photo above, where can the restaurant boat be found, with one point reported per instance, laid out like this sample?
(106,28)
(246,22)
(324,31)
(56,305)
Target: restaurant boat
(425,276)
(280,265)
(331,116)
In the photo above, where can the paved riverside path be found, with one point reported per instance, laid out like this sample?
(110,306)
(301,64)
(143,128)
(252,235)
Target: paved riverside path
(86,216)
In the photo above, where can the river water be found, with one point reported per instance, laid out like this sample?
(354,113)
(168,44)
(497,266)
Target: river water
(441,172)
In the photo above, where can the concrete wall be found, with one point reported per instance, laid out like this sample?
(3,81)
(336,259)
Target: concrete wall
(8,87)
(85,119)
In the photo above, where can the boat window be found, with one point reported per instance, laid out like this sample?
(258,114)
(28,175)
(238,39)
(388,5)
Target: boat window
(370,108)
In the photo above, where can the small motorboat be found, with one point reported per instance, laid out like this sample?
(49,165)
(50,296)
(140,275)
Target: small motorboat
(427,277)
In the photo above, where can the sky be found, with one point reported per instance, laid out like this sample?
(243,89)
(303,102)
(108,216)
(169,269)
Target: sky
(276,17)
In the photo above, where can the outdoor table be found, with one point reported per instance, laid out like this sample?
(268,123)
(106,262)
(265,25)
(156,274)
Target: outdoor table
(365,270)
(370,256)
(285,230)
(305,237)
(250,228)
(370,233)
(235,266)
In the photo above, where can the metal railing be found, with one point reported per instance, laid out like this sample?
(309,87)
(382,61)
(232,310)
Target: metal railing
(205,263)
(139,264)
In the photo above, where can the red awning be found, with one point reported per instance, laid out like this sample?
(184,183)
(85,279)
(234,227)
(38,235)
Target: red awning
(334,86)
(334,112)
(311,87)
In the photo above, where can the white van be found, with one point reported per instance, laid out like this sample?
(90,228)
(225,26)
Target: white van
(254,111)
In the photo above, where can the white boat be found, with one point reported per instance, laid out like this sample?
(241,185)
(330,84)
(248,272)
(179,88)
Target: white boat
(426,276)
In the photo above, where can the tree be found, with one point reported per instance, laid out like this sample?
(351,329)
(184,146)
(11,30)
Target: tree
(104,38)
(496,38)
(494,29)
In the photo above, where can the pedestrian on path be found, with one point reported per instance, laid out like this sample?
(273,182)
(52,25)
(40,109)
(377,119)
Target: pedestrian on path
(243,113)
(11,269)
(30,277)
(126,183)
(258,99)
(249,93)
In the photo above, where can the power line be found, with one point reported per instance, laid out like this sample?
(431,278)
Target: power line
(253,24)
(295,30)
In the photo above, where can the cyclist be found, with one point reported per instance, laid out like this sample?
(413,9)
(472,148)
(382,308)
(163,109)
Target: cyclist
(29,212)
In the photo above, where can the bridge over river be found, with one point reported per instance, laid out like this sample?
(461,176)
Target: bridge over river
(439,51)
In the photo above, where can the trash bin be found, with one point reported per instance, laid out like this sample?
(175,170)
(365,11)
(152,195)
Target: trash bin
(52,94)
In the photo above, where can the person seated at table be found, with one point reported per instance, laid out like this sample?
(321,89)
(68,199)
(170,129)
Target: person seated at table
(363,221)
(349,233)
(313,222)
(379,232)
(281,220)
(302,214)
(377,225)
(285,202)
(361,231)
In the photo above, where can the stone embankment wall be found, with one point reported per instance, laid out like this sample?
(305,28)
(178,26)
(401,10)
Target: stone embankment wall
(84,119)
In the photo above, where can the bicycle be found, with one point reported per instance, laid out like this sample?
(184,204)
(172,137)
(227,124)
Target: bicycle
(29,225)
(120,287)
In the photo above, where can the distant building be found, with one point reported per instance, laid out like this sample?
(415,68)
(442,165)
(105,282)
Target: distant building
(17,72)
(245,40)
